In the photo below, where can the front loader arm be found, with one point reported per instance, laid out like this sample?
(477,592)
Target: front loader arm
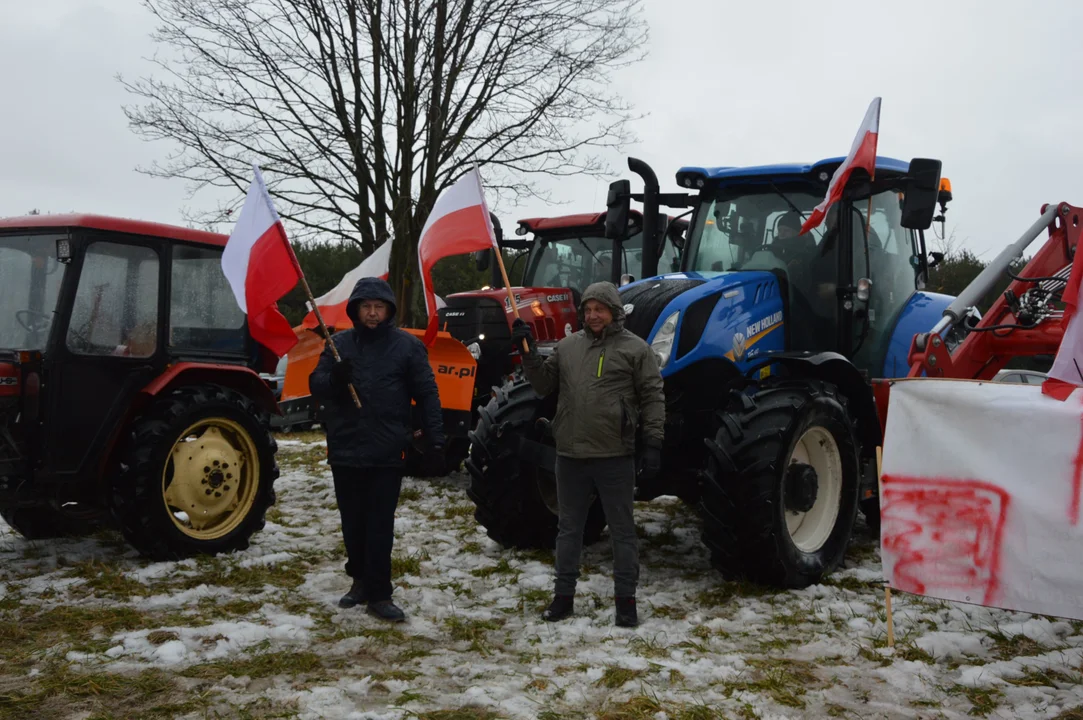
(1022,322)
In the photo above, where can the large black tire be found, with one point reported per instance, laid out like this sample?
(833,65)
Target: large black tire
(748,484)
(516,500)
(144,505)
(45,523)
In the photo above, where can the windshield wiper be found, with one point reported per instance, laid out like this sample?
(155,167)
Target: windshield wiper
(788,201)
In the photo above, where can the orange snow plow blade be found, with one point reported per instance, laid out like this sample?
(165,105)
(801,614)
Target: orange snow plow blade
(452,364)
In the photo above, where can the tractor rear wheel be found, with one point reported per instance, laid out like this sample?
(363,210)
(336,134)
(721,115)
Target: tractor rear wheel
(516,500)
(781,489)
(46,523)
(198,474)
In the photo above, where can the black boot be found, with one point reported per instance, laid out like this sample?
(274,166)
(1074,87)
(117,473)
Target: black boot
(354,597)
(386,610)
(626,612)
(560,608)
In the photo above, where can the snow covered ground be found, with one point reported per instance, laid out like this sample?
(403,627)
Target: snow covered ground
(90,630)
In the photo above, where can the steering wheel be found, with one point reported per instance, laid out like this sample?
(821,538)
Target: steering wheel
(34,321)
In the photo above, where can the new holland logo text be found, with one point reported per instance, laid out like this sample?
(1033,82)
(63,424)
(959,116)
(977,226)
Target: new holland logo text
(763,325)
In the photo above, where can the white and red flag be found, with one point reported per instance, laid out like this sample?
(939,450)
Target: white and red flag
(332,304)
(260,266)
(459,223)
(1067,371)
(862,155)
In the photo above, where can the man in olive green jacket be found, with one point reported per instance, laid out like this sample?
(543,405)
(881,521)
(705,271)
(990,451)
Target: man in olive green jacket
(609,385)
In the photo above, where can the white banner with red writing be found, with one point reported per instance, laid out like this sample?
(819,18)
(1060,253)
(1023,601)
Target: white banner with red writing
(981,495)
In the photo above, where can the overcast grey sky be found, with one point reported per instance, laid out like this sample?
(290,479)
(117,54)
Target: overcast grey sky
(990,88)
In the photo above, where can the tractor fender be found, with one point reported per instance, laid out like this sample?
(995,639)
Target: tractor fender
(236,377)
(839,371)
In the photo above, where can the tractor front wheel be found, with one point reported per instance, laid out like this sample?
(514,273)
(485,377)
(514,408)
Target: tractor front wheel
(781,490)
(198,475)
(515,498)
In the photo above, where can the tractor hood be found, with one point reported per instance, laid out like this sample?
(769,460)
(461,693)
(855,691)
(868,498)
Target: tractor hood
(690,316)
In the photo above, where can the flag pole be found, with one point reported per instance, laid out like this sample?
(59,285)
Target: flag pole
(890,619)
(326,334)
(511,296)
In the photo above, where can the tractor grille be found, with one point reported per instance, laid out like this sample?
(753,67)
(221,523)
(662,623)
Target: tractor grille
(695,320)
(650,299)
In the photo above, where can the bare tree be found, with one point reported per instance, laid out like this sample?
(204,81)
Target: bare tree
(361,111)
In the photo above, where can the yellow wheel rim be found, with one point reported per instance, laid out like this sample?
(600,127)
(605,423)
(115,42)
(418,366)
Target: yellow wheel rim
(211,478)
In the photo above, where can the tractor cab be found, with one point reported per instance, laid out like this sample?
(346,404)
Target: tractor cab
(120,344)
(845,282)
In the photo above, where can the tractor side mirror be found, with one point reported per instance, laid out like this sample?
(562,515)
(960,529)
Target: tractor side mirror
(618,204)
(481,260)
(922,192)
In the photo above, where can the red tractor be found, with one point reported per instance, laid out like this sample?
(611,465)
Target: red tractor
(564,255)
(129,387)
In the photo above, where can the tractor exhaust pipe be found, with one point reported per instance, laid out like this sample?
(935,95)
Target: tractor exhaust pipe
(988,277)
(650,215)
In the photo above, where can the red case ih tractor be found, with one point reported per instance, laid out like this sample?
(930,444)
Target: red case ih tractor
(129,387)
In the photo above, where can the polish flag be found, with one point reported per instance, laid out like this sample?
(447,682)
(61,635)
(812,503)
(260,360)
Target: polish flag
(862,155)
(459,223)
(260,266)
(332,305)
(1067,371)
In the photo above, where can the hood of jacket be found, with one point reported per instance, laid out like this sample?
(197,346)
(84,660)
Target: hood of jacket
(606,293)
(370,288)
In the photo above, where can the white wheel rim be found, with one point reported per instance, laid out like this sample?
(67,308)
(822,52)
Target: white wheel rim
(810,530)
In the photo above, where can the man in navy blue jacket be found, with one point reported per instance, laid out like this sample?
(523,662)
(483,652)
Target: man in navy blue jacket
(366,447)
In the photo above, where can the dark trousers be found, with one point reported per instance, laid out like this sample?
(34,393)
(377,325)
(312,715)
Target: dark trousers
(367,499)
(614,480)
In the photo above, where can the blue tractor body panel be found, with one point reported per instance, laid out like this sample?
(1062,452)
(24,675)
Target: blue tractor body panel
(921,313)
(748,303)
(690,176)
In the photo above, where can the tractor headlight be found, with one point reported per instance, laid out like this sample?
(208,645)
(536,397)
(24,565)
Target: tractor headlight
(475,350)
(662,345)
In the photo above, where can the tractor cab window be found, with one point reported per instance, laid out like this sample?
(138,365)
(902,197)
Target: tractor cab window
(571,262)
(203,314)
(30,278)
(891,247)
(116,304)
(758,229)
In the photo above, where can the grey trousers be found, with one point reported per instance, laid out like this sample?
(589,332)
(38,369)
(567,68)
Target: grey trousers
(614,480)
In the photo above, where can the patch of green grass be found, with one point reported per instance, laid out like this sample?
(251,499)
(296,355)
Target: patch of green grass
(785,681)
(403,675)
(1034,677)
(458,511)
(910,651)
(104,580)
(982,700)
(503,567)
(58,690)
(403,565)
(82,628)
(849,582)
(410,494)
(467,712)
(262,665)
(474,631)
(614,676)
(724,593)
(161,637)
(473,547)
(227,572)
(648,648)
(1008,648)
(668,611)
(1075,713)
(643,707)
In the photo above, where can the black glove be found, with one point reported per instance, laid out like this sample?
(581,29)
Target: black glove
(520,331)
(432,462)
(650,462)
(341,372)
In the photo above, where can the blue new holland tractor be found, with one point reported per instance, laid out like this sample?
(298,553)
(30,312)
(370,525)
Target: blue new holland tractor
(768,341)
